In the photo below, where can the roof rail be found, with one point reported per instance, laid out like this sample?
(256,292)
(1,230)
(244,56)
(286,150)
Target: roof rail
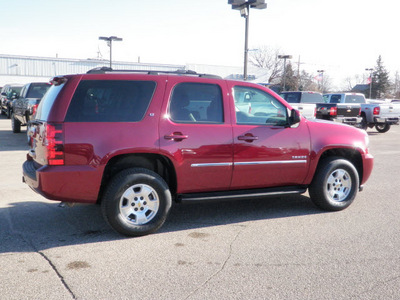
(103,70)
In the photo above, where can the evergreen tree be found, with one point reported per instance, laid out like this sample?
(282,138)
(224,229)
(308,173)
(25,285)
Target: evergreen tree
(380,80)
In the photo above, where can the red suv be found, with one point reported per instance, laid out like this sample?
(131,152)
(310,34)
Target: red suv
(136,141)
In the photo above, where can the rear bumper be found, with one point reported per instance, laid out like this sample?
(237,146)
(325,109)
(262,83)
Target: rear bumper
(390,121)
(63,183)
(349,120)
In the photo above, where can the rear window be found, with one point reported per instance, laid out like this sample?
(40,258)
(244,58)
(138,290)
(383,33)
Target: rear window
(37,90)
(110,101)
(354,99)
(47,101)
(312,98)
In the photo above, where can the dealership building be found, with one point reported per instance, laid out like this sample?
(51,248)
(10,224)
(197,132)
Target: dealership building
(25,69)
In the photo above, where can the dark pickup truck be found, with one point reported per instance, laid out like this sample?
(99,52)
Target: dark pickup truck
(348,113)
(25,105)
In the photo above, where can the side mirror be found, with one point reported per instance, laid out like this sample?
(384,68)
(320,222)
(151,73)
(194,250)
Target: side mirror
(294,117)
(4,94)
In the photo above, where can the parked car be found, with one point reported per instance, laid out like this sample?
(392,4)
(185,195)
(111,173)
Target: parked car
(8,93)
(136,141)
(25,104)
(373,113)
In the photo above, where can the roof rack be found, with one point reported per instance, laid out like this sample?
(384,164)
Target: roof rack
(103,70)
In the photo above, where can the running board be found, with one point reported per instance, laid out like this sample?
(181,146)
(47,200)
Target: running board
(240,194)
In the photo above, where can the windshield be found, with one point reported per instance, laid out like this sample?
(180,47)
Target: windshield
(47,102)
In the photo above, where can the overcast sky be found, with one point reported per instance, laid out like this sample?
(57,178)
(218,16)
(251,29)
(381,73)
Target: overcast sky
(342,37)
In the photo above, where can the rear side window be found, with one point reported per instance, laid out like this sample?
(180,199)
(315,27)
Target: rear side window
(110,101)
(291,97)
(335,99)
(196,102)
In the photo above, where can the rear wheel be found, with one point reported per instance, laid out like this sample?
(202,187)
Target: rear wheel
(15,124)
(382,128)
(363,124)
(8,112)
(136,202)
(335,184)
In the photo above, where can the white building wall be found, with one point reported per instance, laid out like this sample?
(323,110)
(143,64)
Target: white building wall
(25,69)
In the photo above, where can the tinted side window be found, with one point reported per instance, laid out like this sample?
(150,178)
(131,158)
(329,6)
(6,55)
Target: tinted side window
(292,97)
(254,106)
(196,102)
(110,101)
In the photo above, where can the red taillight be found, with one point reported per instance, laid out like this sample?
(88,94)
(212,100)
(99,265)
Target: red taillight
(315,112)
(333,111)
(377,110)
(54,145)
(34,109)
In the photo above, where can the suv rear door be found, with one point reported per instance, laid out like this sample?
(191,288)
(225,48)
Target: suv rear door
(266,152)
(196,133)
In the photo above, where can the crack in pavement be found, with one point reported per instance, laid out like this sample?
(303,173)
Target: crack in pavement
(222,267)
(29,242)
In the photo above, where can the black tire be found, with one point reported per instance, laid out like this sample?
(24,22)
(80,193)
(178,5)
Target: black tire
(364,124)
(148,206)
(335,184)
(382,128)
(15,124)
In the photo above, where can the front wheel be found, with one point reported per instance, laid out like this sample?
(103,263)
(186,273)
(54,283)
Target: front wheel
(136,202)
(382,128)
(335,184)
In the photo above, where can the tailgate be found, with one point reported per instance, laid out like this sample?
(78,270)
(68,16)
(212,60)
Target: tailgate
(389,110)
(348,110)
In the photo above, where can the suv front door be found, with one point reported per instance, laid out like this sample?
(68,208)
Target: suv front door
(267,152)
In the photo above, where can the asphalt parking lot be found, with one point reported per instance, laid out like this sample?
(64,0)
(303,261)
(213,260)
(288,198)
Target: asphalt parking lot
(279,248)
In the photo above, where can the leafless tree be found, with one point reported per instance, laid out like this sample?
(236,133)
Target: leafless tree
(267,58)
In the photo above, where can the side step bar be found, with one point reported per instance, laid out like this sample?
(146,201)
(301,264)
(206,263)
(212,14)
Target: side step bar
(228,195)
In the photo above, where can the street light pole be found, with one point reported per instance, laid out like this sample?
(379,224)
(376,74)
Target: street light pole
(321,73)
(245,14)
(370,80)
(109,42)
(244,7)
(284,57)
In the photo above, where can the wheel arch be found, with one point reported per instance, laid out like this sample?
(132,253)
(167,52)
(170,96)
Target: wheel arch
(154,162)
(352,155)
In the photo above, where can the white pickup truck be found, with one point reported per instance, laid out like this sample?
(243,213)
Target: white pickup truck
(304,102)
(379,114)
